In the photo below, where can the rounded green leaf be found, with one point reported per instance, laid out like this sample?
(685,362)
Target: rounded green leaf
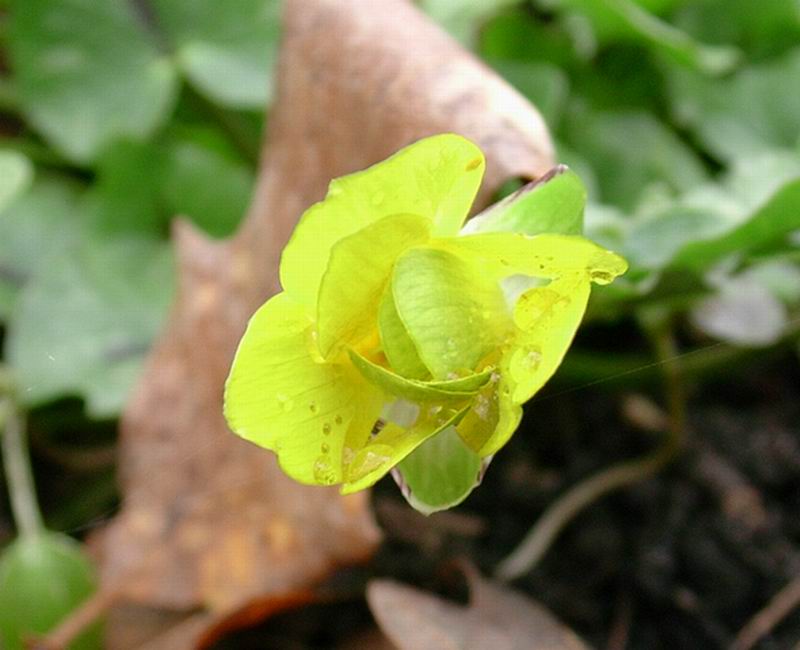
(437,178)
(281,396)
(87,72)
(358,271)
(42,579)
(226,49)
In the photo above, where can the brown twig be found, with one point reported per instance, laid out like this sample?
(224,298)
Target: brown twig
(780,606)
(89,611)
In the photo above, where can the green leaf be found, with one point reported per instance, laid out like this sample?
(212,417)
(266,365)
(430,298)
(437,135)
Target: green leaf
(654,243)
(393,444)
(519,36)
(205,182)
(397,344)
(358,271)
(544,84)
(463,18)
(440,473)
(42,579)
(41,223)
(766,227)
(771,30)
(450,390)
(755,110)
(82,88)
(741,312)
(226,49)
(125,198)
(452,314)
(16,174)
(615,20)
(552,204)
(79,329)
(629,150)
(279,396)
(437,178)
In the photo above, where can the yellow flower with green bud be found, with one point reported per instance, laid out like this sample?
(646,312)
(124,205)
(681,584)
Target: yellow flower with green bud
(404,340)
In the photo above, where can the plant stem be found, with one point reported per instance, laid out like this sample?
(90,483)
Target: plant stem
(544,532)
(19,476)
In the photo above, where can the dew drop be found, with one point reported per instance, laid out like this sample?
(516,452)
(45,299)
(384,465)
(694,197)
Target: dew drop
(601,277)
(338,420)
(285,402)
(325,448)
(323,471)
(313,407)
(532,358)
(481,407)
(326,428)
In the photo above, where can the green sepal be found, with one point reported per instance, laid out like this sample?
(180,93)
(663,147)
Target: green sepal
(440,473)
(552,204)
(450,390)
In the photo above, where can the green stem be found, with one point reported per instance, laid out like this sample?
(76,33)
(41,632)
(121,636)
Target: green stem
(545,531)
(19,476)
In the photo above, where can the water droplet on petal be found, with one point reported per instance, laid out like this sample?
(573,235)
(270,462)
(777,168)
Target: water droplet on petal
(338,420)
(601,277)
(533,358)
(323,471)
(313,407)
(325,447)
(285,402)
(326,428)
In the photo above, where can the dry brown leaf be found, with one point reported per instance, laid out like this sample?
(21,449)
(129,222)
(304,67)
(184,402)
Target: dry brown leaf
(208,520)
(496,618)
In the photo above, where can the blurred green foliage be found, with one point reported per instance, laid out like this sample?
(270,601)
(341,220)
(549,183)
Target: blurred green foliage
(682,117)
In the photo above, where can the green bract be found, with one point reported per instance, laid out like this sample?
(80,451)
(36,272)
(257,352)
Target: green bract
(393,329)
